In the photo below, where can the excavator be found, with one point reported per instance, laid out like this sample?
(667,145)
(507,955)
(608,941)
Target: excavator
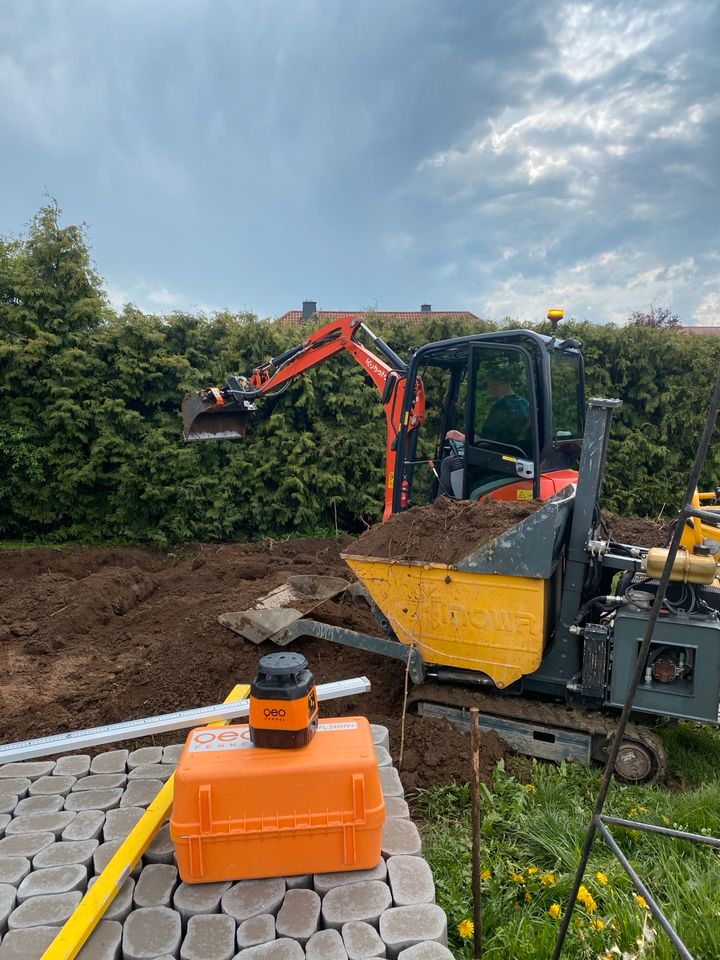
(539,627)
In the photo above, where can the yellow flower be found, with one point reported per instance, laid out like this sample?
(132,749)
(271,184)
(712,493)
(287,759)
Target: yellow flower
(587,899)
(532,871)
(517,877)
(531,788)
(641,901)
(486,874)
(554,911)
(632,811)
(597,924)
(466,929)
(643,810)
(666,821)
(548,879)
(528,896)
(601,878)
(579,922)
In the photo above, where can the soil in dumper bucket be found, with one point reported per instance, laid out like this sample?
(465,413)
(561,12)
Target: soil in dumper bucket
(443,532)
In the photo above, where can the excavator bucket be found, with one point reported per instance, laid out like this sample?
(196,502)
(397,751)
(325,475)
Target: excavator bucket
(206,419)
(282,606)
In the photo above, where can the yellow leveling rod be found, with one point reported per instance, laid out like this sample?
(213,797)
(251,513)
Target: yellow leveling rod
(88,913)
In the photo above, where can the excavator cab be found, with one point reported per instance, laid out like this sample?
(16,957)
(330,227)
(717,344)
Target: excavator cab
(517,400)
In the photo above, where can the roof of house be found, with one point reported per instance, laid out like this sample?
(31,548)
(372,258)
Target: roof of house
(293,317)
(712,331)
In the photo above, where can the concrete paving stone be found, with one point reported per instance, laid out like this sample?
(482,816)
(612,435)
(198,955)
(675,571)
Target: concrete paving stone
(380,735)
(325,945)
(17,785)
(103,943)
(396,809)
(143,755)
(403,927)
(119,823)
(40,823)
(383,757)
(47,804)
(401,837)
(283,949)
(192,899)
(14,869)
(156,885)
(355,901)
(4,821)
(428,950)
(411,881)
(77,766)
(64,852)
(99,781)
(105,852)
(322,882)
(302,881)
(87,825)
(26,845)
(32,769)
(256,930)
(8,802)
(172,753)
(28,944)
(8,899)
(299,915)
(152,771)
(48,910)
(162,849)
(121,905)
(251,897)
(390,782)
(209,938)
(151,932)
(72,876)
(44,786)
(94,800)
(111,761)
(139,793)
(362,941)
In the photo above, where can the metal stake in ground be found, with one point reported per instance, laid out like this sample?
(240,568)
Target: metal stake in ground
(475,791)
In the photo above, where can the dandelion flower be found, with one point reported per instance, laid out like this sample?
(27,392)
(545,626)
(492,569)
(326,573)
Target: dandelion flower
(641,901)
(666,821)
(517,877)
(528,896)
(532,871)
(531,788)
(597,924)
(554,911)
(548,880)
(466,929)
(601,878)
(486,874)
(587,899)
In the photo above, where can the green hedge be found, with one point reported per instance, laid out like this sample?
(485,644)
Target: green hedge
(90,433)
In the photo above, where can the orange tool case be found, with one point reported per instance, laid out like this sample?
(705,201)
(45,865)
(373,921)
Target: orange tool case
(242,812)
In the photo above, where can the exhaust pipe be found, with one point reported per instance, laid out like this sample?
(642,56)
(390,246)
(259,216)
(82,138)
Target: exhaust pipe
(208,416)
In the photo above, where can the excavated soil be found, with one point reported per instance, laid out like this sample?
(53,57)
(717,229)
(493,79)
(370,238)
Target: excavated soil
(95,635)
(442,532)
(638,531)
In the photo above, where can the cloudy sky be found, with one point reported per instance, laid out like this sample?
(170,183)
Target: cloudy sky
(496,157)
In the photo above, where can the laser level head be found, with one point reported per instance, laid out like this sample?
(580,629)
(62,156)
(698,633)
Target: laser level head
(283,702)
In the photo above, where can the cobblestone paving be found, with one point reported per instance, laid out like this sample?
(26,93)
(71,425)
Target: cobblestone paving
(61,821)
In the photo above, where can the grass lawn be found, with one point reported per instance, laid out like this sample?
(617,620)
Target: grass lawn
(531,839)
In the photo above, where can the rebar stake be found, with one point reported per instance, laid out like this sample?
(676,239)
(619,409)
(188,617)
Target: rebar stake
(475,794)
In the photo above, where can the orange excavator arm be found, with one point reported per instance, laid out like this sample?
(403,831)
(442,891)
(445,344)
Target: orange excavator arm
(222,413)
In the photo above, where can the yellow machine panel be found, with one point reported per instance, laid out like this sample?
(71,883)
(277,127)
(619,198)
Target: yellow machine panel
(474,621)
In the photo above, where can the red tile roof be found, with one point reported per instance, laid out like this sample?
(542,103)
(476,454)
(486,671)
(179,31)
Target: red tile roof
(713,331)
(293,317)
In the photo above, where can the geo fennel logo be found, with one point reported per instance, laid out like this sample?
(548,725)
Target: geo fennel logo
(204,740)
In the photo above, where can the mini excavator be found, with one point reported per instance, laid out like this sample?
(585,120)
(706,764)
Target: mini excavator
(540,627)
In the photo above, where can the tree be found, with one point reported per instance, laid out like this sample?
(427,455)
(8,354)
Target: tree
(659,317)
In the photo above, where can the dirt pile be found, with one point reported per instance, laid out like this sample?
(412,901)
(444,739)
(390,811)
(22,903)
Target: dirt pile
(442,532)
(638,531)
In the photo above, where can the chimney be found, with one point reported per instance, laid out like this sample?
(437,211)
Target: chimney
(425,308)
(309,309)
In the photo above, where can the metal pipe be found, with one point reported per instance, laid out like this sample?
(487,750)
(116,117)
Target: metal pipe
(640,664)
(643,891)
(475,791)
(665,831)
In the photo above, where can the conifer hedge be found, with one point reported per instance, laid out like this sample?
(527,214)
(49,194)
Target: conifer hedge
(90,427)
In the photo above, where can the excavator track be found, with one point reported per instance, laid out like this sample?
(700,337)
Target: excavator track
(548,731)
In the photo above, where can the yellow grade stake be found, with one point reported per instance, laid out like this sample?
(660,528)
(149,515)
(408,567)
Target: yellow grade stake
(91,909)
